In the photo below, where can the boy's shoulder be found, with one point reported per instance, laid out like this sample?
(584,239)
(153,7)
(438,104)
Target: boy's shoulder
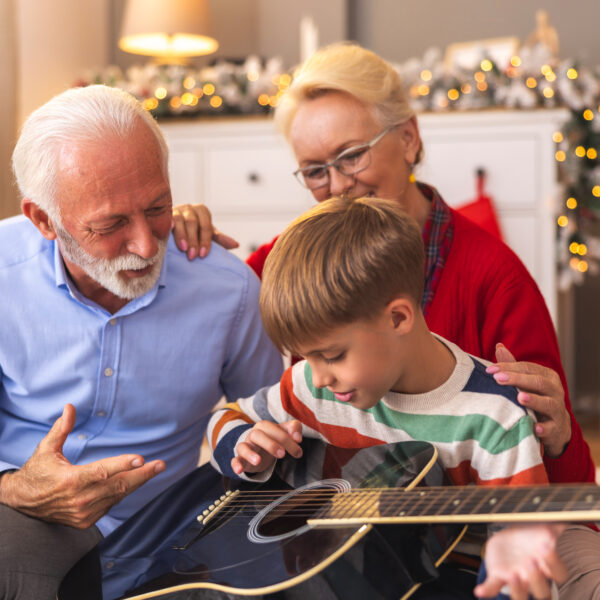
(477,380)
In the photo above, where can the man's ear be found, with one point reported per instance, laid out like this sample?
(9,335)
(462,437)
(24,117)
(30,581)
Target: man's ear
(402,314)
(39,218)
(409,134)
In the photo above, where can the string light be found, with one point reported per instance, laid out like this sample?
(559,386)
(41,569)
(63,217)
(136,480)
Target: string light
(592,153)
(548,92)
(486,65)
(453,94)
(208,89)
(572,73)
(189,83)
(596,191)
(150,103)
(573,247)
(426,75)
(560,155)
(571,203)
(515,61)
(582,266)
(423,90)
(588,115)
(580,151)
(557,137)
(582,249)
(562,221)
(216,101)
(160,93)
(531,82)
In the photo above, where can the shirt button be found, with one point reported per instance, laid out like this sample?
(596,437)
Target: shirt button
(110,564)
(101,413)
(82,436)
(108,371)
(113,321)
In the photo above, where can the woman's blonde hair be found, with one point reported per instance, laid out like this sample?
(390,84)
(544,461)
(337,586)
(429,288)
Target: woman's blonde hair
(342,261)
(354,70)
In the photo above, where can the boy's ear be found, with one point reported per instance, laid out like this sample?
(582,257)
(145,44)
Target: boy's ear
(39,218)
(402,313)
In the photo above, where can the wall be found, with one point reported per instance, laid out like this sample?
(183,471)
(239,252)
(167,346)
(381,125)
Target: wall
(401,30)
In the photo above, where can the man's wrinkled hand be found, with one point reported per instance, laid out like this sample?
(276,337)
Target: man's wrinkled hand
(50,488)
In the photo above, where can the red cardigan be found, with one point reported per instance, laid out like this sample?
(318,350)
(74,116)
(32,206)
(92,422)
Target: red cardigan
(485,296)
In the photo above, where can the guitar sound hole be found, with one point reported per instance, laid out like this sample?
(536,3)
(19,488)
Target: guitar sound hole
(292,514)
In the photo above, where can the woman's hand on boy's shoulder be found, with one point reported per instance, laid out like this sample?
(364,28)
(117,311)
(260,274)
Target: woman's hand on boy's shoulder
(266,442)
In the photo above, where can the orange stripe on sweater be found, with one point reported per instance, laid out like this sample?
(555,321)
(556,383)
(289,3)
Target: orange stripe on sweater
(338,435)
(464,474)
(231,414)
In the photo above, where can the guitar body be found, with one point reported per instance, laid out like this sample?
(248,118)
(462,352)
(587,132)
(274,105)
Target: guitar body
(254,541)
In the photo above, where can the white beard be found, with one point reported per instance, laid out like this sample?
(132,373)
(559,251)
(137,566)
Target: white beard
(106,271)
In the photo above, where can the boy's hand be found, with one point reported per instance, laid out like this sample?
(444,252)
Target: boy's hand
(522,559)
(266,442)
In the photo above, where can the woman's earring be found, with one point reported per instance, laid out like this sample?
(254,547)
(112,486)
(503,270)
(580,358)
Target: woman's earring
(411,177)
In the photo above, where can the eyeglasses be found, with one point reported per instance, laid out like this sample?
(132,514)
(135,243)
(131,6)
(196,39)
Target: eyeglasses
(348,162)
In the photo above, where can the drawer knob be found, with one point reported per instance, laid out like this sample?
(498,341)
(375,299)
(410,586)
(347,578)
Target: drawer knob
(253,177)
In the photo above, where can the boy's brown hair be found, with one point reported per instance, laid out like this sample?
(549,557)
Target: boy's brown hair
(340,262)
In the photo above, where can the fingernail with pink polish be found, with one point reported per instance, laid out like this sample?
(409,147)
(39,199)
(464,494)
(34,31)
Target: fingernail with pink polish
(192,253)
(137,462)
(183,245)
(492,369)
(203,252)
(501,377)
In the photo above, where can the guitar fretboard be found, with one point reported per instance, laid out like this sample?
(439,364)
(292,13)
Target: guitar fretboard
(470,504)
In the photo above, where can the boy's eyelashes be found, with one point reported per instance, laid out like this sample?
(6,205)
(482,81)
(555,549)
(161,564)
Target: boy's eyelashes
(332,359)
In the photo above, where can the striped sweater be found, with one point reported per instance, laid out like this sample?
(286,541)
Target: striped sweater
(482,434)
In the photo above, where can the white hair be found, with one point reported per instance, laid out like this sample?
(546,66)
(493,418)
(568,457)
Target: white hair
(76,116)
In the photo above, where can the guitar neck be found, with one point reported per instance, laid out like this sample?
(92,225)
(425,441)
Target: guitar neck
(456,504)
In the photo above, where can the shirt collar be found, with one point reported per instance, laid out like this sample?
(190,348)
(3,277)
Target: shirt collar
(63,280)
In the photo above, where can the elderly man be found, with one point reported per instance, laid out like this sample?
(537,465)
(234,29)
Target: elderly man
(113,346)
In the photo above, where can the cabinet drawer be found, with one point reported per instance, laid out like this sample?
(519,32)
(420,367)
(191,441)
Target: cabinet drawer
(253,176)
(511,166)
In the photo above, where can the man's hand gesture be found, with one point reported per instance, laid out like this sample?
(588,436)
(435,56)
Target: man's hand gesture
(50,488)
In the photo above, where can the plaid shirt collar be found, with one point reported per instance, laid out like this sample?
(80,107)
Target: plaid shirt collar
(437,238)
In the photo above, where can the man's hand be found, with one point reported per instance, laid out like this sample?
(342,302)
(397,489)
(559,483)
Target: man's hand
(522,559)
(50,488)
(193,231)
(266,442)
(541,390)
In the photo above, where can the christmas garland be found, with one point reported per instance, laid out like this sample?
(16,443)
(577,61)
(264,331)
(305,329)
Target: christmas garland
(531,79)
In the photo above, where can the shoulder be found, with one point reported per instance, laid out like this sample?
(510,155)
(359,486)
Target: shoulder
(219,268)
(20,241)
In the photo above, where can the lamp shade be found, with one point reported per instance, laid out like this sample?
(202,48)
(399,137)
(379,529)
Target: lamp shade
(168,29)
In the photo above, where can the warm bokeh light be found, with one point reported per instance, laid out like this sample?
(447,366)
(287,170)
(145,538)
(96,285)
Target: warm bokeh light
(465,88)
(580,151)
(208,89)
(479,76)
(175,102)
(582,266)
(557,136)
(426,75)
(263,99)
(160,93)
(571,203)
(588,115)
(486,65)
(531,82)
(560,156)
(216,101)
(482,86)
(548,92)
(596,191)
(453,94)
(423,90)
(515,61)
(189,83)
(562,221)
(592,153)
(150,103)
(252,75)
(573,247)
(572,73)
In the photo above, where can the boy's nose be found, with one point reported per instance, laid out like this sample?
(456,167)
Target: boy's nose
(322,378)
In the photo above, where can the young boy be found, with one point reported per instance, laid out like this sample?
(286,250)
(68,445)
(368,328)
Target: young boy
(342,288)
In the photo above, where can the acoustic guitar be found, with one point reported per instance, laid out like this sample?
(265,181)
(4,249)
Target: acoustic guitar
(370,523)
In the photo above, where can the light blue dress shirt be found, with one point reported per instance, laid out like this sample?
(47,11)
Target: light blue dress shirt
(143,380)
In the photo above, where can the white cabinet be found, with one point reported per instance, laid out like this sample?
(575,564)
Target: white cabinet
(241,168)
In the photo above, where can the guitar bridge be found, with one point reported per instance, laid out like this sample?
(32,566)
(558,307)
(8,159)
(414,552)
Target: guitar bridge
(196,530)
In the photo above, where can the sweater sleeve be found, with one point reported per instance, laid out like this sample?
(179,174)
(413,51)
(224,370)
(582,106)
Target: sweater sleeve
(487,296)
